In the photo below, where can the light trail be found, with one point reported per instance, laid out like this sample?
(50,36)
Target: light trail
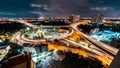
(105,60)
(98,49)
(91,49)
(106,47)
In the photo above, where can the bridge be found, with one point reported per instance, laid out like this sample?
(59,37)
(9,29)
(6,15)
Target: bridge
(95,49)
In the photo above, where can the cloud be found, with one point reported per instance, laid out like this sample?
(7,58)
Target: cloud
(52,8)
(37,12)
(61,7)
(35,5)
(7,13)
(61,10)
(101,8)
(47,7)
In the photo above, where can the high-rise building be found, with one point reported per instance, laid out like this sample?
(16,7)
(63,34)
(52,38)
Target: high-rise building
(100,18)
(74,18)
(70,19)
(77,18)
(94,17)
(97,18)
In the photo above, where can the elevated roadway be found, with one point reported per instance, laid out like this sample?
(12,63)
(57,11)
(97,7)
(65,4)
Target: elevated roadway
(104,46)
(99,50)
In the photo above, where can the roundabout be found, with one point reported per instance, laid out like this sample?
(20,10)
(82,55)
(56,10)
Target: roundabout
(56,38)
(40,36)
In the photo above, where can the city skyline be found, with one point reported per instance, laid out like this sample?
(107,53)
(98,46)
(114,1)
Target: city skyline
(47,8)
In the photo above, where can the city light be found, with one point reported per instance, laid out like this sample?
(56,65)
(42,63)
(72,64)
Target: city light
(46,42)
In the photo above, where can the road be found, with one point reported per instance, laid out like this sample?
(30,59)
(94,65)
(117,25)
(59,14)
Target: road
(28,24)
(106,47)
(19,37)
(97,49)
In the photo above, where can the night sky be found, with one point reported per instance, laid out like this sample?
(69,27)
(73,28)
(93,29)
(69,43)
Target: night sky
(37,8)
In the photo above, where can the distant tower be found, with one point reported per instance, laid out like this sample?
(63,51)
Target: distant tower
(71,19)
(77,18)
(100,18)
(97,18)
(94,17)
(74,18)
(52,18)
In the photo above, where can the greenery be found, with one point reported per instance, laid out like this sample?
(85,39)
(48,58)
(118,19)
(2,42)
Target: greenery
(14,48)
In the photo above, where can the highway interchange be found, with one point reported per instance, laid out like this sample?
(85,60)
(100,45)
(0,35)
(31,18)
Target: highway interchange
(98,50)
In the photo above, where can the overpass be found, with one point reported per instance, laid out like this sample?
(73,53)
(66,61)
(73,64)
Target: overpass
(86,54)
(106,47)
(97,50)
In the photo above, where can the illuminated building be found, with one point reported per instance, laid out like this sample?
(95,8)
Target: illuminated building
(71,19)
(94,17)
(97,18)
(74,18)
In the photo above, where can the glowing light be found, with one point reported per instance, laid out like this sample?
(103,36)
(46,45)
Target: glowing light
(66,49)
(105,61)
